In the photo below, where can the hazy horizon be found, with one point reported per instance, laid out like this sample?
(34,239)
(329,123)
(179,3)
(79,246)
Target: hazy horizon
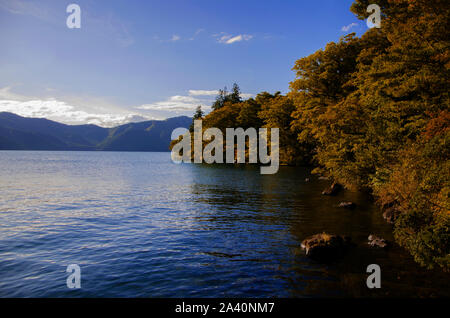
(102,126)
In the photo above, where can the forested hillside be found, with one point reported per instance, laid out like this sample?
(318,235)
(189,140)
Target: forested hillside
(21,133)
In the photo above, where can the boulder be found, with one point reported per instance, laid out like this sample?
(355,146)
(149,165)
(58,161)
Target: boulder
(333,189)
(391,214)
(347,205)
(326,247)
(376,241)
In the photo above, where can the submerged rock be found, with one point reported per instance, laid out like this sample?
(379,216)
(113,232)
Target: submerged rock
(376,241)
(326,247)
(333,189)
(347,205)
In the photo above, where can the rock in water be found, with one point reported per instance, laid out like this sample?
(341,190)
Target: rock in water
(333,189)
(390,215)
(347,205)
(326,247)
(376,241)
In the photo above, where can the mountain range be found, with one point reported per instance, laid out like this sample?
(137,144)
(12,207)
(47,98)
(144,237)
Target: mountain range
(21,133)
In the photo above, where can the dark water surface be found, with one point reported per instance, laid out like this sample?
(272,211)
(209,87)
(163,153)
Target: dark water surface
(140,226)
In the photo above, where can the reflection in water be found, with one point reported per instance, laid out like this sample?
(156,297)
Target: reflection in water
(139,225)
(288,209)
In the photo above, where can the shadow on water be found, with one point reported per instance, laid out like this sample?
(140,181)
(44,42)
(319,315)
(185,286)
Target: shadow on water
(277,212)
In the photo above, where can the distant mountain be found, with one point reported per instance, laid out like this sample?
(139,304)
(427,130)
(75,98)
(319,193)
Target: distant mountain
(20,133)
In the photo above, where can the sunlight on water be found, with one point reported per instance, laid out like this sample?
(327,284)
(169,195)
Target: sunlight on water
(140,226)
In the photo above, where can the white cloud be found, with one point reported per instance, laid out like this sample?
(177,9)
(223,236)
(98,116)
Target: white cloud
(88,110)
(173,38)
(186,104)
(200,92)
(230,39)
(174,103)
(24,8)
(346,28)
(5,93)
(196,34)
(246,96)
(62,111)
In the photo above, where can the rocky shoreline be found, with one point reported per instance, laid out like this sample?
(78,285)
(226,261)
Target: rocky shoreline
(326,247)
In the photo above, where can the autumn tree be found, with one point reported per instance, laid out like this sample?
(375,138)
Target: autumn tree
(322,81)
(371,112)
(276,112)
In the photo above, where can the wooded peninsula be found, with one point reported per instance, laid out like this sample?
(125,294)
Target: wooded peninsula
(371,113)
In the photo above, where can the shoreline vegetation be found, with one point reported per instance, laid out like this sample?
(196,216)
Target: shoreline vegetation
(371,113)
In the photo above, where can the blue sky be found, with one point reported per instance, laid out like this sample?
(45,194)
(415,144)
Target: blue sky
(134,60)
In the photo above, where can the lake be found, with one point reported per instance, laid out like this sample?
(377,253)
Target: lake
(139,225)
